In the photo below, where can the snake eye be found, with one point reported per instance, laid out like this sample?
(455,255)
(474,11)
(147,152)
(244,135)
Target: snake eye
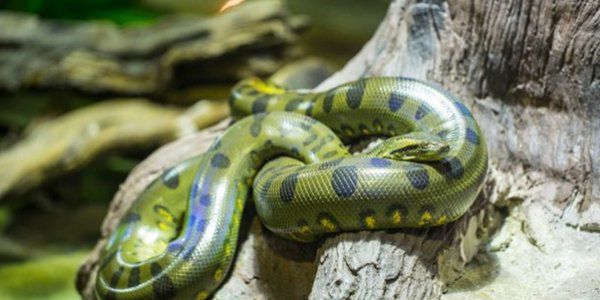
(413,149)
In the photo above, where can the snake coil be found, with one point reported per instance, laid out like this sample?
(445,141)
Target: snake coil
(179,237)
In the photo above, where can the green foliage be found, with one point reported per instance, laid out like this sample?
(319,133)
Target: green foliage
(119,11)
(50,277)
(5,218)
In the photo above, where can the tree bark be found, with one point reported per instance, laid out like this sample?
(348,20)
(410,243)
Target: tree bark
(530,72)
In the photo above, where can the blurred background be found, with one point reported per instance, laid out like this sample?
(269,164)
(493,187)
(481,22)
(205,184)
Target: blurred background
(88,89)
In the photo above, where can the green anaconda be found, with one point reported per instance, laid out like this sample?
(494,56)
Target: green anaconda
(179,237)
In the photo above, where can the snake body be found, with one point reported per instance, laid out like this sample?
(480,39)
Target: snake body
(287,147)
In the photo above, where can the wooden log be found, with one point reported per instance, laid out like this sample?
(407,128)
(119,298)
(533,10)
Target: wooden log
(70,142)
(175,52)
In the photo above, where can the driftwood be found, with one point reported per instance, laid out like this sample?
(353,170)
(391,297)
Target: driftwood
(176,52)
(69,142)
(529,70)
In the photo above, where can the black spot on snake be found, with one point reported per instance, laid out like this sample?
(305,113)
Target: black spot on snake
(472,136)
(442,133)
(330,154)
(205,199)
(451,166)
(418,177)
(264,191)
(355,94)
(324,141)
(288,186)
(313,137)
(328,102)
(396,101)
(320,145)
(114,280)
(134,277)
(380,162)
(256,125)
(344,181)
(220,161)
(306,125)
(268,144)
(161,210)
(426,208)
(309,109)
(162,286)
(377,125)
(260,104)
(295,152)
(171,178)
(255,129)
(396,208)
(293,104)
(422,111)
(302,223)
(174,247)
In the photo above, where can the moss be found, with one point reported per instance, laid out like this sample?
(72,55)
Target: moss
(49,277)
(119,11)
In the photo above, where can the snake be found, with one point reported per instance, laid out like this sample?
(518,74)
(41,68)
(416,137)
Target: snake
(288,151)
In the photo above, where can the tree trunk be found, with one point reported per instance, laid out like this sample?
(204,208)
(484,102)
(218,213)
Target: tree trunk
(530,72)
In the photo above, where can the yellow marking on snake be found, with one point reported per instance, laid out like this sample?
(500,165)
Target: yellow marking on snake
(202,296)
(327,224)
(425,218)
(218,274)
(305,230)
(397,217)
(442,220)
(370,222)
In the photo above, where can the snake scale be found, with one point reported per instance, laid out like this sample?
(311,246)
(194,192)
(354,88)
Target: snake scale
(287,150)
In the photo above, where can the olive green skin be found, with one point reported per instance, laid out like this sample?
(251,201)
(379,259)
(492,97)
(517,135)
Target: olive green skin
(178,240)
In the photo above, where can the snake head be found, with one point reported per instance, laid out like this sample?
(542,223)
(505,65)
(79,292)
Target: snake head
(413,147)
